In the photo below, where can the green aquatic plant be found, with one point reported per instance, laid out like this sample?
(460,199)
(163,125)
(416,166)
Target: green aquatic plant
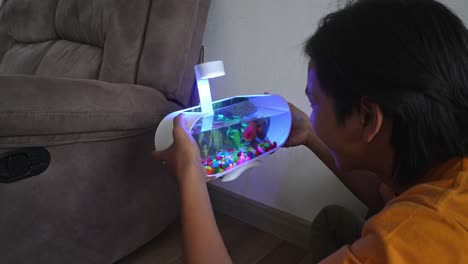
(235,137)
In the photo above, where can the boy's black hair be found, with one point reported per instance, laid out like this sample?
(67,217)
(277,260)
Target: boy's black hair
(411,58)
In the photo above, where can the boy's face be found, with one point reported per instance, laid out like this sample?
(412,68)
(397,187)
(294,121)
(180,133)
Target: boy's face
(342,139)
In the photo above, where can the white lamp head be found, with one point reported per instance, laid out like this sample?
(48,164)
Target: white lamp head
(209,70)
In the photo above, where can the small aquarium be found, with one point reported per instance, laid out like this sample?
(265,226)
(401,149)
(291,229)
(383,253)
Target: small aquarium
(241,130)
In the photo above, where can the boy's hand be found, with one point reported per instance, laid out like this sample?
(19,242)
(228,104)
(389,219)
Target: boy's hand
(301,129)
(183,156)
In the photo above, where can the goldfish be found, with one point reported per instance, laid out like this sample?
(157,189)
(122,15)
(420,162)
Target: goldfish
(250,132)
(258,128)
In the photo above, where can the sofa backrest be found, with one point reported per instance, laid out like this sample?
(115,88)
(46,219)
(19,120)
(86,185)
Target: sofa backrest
(149,42)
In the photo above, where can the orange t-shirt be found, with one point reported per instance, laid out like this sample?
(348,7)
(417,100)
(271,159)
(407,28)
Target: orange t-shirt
(426,224)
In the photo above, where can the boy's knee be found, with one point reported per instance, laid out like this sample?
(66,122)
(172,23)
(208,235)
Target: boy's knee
(326,217)
(333,209)
(337,218)
(332,213)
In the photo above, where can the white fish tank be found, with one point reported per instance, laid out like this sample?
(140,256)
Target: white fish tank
(233,134)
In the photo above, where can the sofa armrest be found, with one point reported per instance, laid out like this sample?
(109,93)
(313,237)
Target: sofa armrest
(44,111)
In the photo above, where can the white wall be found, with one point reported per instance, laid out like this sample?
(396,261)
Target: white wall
(260,42)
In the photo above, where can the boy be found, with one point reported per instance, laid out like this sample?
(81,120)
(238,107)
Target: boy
(388,84)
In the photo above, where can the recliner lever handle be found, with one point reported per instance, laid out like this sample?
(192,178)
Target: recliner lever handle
(23,163)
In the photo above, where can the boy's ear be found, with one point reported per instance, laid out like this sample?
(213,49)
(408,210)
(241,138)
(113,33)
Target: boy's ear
(371,119)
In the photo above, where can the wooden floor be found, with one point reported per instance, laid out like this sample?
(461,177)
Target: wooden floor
(246,245)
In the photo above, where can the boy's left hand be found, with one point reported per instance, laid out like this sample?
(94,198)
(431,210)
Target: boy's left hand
(183,156)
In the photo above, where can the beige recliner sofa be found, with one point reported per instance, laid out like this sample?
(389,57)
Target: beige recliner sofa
(83,86)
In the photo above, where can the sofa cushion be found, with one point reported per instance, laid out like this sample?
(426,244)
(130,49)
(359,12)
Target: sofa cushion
(71,60)
(84,21)
(48,111)
(49,37)
(146,42)
(24,58)
(28,21)
(172,47)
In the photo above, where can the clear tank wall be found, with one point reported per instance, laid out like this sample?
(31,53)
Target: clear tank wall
(241,130)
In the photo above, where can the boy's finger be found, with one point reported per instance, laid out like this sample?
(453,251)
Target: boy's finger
(179,126)
(159,155)
(179,121)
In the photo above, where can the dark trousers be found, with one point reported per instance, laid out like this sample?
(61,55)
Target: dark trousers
(333,227)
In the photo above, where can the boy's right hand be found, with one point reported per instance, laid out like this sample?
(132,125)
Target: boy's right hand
(301,129)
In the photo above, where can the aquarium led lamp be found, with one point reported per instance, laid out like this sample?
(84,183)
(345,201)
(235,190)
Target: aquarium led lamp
(203,73)
(234,133)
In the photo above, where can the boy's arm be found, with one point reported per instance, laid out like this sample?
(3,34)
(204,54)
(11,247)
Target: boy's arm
(202,242)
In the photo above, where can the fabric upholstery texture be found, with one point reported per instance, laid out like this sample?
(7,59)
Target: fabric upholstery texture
(51,106)
(152,43)
(90,80)
(172,20)
(107,35)
(96,203)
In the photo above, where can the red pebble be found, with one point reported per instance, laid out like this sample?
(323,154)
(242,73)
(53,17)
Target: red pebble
(239,153)
(219,158)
